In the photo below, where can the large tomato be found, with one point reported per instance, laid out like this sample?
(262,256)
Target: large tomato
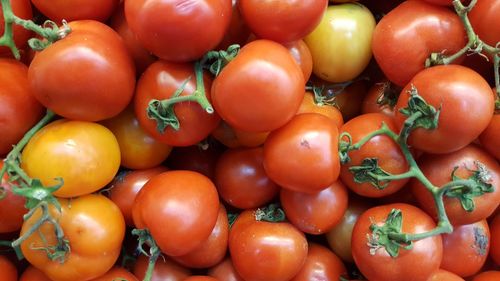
(321,264)
(409,33)
(85,155)
(70,10)
(179,30)
(95,229)
(261,89)
(22,9)
(485,21)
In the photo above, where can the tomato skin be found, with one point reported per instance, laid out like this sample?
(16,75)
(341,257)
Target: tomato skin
(12,207)
(234,138)
(125,186)
(443,275)
(426,252)
(302,55)
(314,140)
(321,264)
(195,158)
(495,241)
(59,10)
(164,270)
(438,169)
(383,148)
(68,149)
(179,31)
(466,101)
(19,110)
(224,271)
(484,20)
(94,227)
(315,213)
(200,278)
(377,91)
(409,33)
(88,76)
(487,276)
(184,202)
(261,89)
(9,271)
(34,274)
(117,273)
(241,180)
(490,137)
(22,9)
(160,81)
(465,249)
(237,32)
(265,251)
(308,105)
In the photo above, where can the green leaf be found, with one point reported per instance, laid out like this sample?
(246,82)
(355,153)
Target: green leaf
(369,171)
(381,235)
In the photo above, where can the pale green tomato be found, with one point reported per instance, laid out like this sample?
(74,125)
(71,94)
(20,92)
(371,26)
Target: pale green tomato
(341,44)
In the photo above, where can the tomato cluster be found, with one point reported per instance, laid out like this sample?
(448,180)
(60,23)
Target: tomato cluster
(248,140)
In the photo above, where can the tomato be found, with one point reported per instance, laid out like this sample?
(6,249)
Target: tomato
(381,98)
(443,275)
(313,139)
(408,34)
(241,180)
(34,274)
(490,137)
(302,56)
(487,276)
(88,76)
(321,264)
(179,30)
(341,44)
(439,168)
(165,269)
(19,110)
(59,10)
(266,251)
(9,271)
(382,148)
(237,32)
(94,227)
(126,185)
(308,105)
(184,202)
(466,105)
(195,158)
(22,9)
(213,249)
(261,89)
(200,278)
(117,273)
(315,213)
(12,207)
(160,81)
(137,148)
(495,241)
(419,262)
(465,249)
(234,138)
(69,149)
(485,22)
(224,271)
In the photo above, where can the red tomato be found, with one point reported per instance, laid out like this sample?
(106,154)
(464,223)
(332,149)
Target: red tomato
(12,207)
(160,81)
(409,33)
(490,137)
(441,2)
(200,278)
(184,202)
(19,110)
(225,271)
(443,275)
(179,30)
(234,138)
(241,180)
(70,10)
(314,164)
(302,56)
(117,273)
(487,276)
(87,76)
(34,274)
(237,32)
(315,213)
(485,21)
(466,102)
(195,158)
(282,21)
(381,98)
(321,264)
(308,105)
(8,270)
(419,262)
(261,89)
(439,168)
(495,241)
(165,269)
(22,9)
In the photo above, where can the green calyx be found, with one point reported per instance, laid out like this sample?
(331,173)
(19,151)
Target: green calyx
(420,114)
(215,61)
(270,213)
(144,238)
(369,171)
(381,235)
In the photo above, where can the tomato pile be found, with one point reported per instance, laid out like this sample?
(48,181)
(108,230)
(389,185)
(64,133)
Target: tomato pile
(250,140)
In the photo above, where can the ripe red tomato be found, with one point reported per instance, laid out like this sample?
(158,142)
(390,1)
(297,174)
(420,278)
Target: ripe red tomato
(8,270)
(224,271)
(408,34)
(321,264)
(88,76)
(485,21)
(419,262)
(495,241)
(165,269)
(490,137)
(179,30)
(34,274)
(22,9)
(261,89)
(313,139)
(70,10)
(12,207)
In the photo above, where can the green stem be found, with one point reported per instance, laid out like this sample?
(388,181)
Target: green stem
(408,174)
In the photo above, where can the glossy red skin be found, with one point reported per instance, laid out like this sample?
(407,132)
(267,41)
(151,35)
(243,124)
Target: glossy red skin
(313,139)
(200,278)
(266,251)
(463,250)
(22,9)
(416,264)
(224,271)
(282,21)
(19,110)
(375,92)
(160,81)
(441,2)
(485,21)
(237,32)
(59,10)
(88,76)
(302,56)
(443,275)
(184,202)
(179,30)
(467,106)
(487,276)
(261,89)
(409,33)
(125,186)
(164,270)
(495,242)
(194,158)
(213,249)
(321,264)
(117,273)
(8,270)
(241,180)
(315,213)
(12,207)
(438,169)
(490,137)
(390,157)
(34,274)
